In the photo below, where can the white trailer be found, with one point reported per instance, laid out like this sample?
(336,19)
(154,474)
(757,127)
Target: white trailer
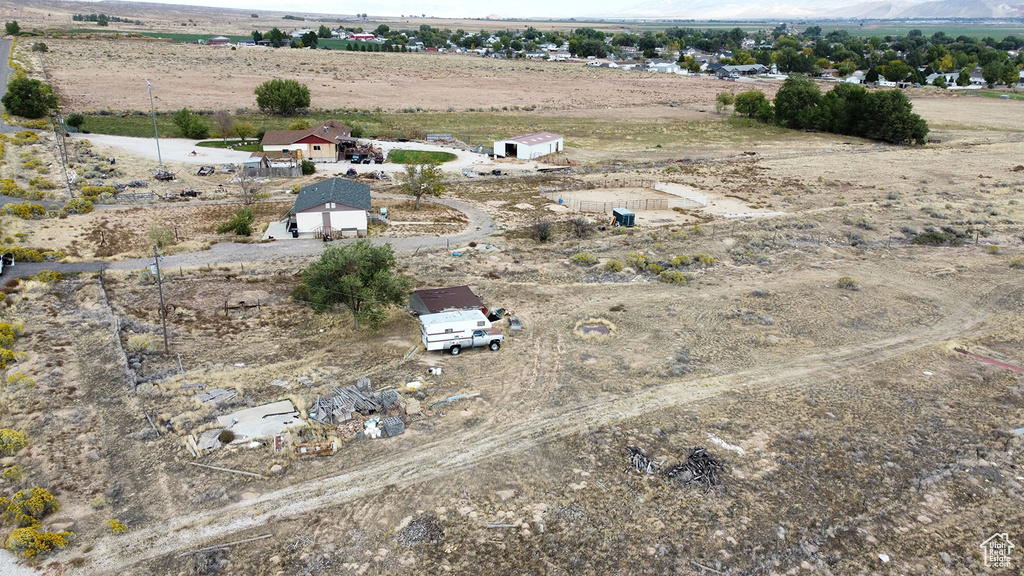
(455,330)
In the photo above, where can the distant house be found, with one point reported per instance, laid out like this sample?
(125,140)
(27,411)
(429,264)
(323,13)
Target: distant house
(361,37)
(663,66)
(435,300)
(529,146)
(323,143)
(740,70)
(334,207)
(218,41)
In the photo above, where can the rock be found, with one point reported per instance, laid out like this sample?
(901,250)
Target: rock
(946,559)
(61,526)
(884,558)
(305,381)
(279,383)
(505,494)
(275,560)
(277,469)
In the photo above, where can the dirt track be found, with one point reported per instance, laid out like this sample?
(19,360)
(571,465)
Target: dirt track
(436,459)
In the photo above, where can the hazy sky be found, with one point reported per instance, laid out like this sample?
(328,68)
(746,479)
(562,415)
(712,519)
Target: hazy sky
(445,8)
(532,8)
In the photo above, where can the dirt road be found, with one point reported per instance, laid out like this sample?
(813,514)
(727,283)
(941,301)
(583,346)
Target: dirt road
(432,460)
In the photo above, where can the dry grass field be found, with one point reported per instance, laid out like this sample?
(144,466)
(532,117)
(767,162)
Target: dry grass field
(850,428)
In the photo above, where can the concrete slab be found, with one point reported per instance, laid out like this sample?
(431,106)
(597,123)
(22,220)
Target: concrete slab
(277,230)
(261,421)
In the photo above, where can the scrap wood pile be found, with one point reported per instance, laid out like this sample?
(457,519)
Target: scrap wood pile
(699,468)
(345,401)
(641,463)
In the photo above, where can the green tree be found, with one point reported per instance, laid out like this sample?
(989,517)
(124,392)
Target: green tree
(723,99)
(245,130)
(310,39)
(240,223)
(421,181)
(359,275)
(12,28)
(75,120)
(964,78)
(888,116)
(324,32)
(28,98)
(282,96)
(750,102)
(190,124)
(103,20)
(896,71)
(796,102)
(1011,74)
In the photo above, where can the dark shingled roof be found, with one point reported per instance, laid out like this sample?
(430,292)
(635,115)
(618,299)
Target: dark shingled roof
(434,300)
(340,190)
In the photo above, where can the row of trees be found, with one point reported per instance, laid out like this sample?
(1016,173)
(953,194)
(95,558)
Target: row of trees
(885,115)
(103,19)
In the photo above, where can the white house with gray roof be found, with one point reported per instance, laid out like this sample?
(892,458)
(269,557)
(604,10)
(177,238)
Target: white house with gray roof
(335,207)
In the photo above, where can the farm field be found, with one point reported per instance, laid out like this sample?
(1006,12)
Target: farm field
(855,438)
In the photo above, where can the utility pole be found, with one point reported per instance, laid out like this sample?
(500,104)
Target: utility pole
(152,108)
(160,290)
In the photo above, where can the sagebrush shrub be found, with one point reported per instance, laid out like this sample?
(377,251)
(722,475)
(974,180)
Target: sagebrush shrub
(11,441)
(584,259)
(848,283)
(613,265)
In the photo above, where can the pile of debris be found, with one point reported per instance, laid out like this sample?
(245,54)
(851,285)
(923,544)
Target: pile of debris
(206,170)
(121,187)
(163,175)
(340,407)
(640,462)
(700,468)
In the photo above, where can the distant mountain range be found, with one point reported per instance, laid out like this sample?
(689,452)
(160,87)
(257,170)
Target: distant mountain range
(768,9)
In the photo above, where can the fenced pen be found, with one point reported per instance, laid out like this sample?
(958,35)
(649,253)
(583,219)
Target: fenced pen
(574,196)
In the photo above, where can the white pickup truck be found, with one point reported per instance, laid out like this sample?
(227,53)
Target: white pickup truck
(453,331)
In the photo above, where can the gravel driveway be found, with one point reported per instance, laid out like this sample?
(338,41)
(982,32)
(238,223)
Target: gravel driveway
(480,225)
(174,150)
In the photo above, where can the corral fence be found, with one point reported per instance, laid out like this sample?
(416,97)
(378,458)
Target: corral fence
(134,197)
(607,207)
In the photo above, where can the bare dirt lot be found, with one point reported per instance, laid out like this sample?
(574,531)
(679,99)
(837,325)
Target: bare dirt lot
(855,438)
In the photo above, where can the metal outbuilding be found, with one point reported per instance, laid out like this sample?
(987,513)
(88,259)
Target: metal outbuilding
(529,146)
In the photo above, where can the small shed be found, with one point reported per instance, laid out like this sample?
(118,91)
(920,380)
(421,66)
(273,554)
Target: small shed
(529,146)
(334,207)
(435,300)
(623,217)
